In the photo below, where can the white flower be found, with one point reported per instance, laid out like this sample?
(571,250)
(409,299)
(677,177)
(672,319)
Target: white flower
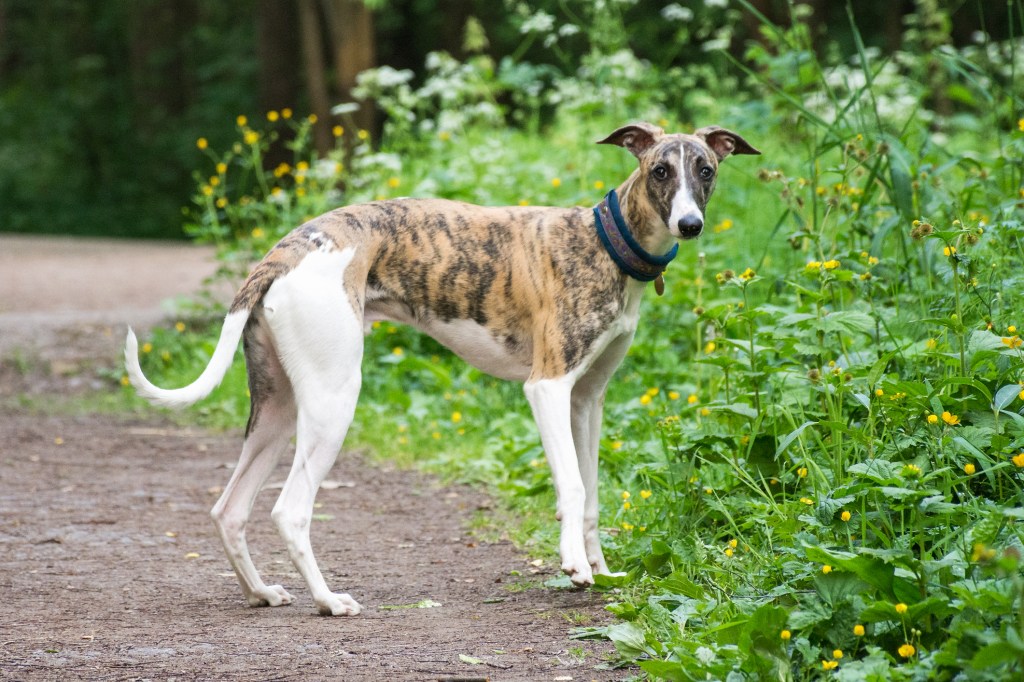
(676,12)
(705,655)
(716,3)
(541,22)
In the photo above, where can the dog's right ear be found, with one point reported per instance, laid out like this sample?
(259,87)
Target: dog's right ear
(636,137)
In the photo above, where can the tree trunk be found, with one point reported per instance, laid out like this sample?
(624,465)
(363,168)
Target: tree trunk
(316,76)
(354,50)
(277,40)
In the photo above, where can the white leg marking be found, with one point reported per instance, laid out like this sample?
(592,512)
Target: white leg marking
(319,338)
(587,406)
(551,401)
(260,454)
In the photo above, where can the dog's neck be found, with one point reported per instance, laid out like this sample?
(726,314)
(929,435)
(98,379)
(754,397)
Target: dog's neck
(617,238)
(647,227)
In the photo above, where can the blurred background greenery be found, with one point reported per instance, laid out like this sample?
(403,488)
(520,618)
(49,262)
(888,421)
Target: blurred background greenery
(101,102)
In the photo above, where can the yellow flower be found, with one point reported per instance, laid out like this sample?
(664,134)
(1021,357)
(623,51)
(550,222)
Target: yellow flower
(723,226)
(222,202)
(556,182)
(435,435)
(627,526)
(653,391)
(709,347)
(950,419)
(272,116)
(831,264)
(598,184)
(901,608)
(734,543)
(931,344)
(879,392)
(456,417)
(147,348)
(802,472)
(845,516)
(748,275)
(1018,460)
(645,399)
(858,630)
(829,665)
(786,635)
(222,168)
(969,469)
(179,327)
(251,137)
(207,190)
(837,654)
(673,395)
(627,505)
(257,233)
(1011,341)
(214,181)
(948,250)
(625,494)
(397,350)
(1020,124)
(645,494)
(616,445)
(444,136)
(911,470)
(907,650)
(1012,329)
(704,412)
(691,399)
(933,419)
(393,182)
(286,113)
(312,118)
(202,143)
(125,381)
(806,500)
(241,121)
(337,131)
(826,569)
(363,134)
(728,551)
(813,265)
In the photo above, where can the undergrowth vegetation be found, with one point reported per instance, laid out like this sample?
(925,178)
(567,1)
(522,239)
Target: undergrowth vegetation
(813,456)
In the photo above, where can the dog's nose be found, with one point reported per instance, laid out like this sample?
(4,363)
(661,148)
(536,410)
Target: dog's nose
(690,226)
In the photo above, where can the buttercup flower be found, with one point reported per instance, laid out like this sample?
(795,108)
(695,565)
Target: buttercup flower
(901,608)
(858,630)
(950,419)
(907,650)
(786,635)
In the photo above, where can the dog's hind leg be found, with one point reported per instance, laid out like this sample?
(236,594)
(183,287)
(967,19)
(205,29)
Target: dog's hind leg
(271,426)
(320,338)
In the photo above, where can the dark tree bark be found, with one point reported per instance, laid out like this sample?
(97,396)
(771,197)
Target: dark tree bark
(354,50)
(316,74)
(277,51)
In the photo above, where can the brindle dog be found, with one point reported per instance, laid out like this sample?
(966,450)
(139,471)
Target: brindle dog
(548,296)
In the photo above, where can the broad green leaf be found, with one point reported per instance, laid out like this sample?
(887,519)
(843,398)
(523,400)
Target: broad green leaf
(788,439)
(1005,395)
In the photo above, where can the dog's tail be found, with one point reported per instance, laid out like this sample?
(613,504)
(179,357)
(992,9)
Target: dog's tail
(223,354)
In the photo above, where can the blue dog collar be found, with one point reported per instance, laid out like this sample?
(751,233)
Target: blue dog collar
(622,247)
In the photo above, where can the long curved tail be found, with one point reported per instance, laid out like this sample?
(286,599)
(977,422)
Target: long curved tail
(223,354)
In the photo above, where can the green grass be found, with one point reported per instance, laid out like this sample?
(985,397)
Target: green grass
(813,455)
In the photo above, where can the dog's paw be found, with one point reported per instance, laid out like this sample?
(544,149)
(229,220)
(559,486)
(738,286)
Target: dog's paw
(599,567)
(580,574)
(339,605)
(272,595)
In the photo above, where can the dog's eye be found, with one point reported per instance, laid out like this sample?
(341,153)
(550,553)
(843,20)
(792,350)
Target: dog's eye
(660,172)
(706,173)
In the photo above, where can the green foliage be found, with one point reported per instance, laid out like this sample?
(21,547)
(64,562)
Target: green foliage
(813,457)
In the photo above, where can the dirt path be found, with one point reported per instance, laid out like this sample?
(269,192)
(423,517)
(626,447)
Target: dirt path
(109,565)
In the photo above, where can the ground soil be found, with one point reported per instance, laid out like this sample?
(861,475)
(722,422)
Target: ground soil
(109,565)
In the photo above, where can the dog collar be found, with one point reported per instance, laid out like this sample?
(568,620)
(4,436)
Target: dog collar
(622,247)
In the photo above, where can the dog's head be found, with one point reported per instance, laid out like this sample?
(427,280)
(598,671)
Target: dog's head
(677,172)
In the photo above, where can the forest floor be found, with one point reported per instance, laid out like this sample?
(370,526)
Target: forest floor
(110,568)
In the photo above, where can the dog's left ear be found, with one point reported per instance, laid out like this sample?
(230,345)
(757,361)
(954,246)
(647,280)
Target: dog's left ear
(637,137)
(724,142)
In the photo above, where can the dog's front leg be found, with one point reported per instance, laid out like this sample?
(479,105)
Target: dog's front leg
(551,402)
(587,409)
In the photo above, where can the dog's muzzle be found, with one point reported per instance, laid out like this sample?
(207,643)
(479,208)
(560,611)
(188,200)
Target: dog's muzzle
(690,227)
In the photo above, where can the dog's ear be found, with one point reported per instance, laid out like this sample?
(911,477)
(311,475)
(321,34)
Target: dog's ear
(724,142)
(636,137)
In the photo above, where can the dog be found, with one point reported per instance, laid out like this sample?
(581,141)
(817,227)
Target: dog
(547,296)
